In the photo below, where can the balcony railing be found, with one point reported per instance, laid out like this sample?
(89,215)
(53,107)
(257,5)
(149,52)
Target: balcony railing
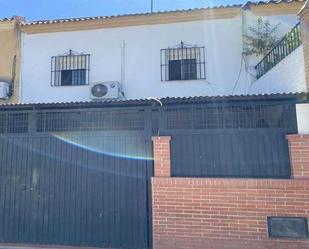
(283,48)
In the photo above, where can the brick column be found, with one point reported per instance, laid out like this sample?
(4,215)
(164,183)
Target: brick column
(299,155)
(161,154)
(304,25)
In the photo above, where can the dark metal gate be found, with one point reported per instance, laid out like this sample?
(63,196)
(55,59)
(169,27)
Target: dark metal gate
(68,179)
(79,174)
(230,139)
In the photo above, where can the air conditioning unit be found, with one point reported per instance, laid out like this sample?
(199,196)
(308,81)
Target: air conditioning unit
(105,90)
(4,90)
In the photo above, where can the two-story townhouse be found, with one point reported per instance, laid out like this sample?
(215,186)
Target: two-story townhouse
(176,173)
(197,52)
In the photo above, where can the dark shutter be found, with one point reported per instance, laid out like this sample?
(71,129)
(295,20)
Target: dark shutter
(66,77)
(174,67)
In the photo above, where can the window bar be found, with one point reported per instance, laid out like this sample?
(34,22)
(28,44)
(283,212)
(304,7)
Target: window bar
(55,83)
(51,71)
(66,62)
(55,74)
(75,76)
(161,63)
(190,64)
(88,76)
(84,63)
(198,63)
(204,62)
(166,57)
(198,60)
(57,68)
(83,78)
(79,58)
(181,49)
(56,61)
(186,71)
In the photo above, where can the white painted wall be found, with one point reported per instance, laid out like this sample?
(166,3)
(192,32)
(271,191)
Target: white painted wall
(222,40)
(284,24)
(287,76)
(302,111)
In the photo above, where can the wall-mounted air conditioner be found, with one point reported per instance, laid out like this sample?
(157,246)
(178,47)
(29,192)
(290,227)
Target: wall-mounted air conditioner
(105,90)
(4,90)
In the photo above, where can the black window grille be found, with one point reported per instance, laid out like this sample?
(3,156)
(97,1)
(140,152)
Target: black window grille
(70,69)
(13,123)
(130,120)
(183,62)
(231,117)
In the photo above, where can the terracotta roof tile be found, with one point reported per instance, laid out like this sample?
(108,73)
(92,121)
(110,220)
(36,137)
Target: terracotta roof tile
(125,15)
(272,2)
(6,19)
(248,4)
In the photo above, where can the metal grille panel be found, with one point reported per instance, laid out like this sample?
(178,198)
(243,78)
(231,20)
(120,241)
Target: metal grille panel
(56,192)
(231,154)
(13,123)
(130,120)
(231,117)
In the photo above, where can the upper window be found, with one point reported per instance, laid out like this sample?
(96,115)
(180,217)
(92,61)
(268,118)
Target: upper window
(70,69)
(183,62)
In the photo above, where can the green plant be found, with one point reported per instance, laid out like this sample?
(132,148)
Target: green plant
(262,38)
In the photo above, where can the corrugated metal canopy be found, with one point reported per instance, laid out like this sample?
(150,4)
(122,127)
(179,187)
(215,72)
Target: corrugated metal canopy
(297,97)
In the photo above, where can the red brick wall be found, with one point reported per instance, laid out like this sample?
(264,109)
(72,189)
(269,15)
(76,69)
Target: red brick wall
(299,155)
(223,213)
(194,213)
(161,153)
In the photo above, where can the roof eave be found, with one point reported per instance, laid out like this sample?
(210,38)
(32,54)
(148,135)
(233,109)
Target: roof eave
(130,20)
(295,97)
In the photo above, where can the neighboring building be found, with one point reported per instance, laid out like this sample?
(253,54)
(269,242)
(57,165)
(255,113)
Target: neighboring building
(10,57)
(177,53)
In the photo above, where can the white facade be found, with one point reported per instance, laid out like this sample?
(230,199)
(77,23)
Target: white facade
(302,111)
(131,56)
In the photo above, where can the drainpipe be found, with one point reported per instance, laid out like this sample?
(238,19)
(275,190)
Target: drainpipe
(123,69)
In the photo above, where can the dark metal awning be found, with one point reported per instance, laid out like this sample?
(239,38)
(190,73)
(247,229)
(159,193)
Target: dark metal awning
(295,97)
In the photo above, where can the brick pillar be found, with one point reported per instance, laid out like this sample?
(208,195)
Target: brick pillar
(299,155)
(161,154)
(304,25)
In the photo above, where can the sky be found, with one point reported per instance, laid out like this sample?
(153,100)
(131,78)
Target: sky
(52,9)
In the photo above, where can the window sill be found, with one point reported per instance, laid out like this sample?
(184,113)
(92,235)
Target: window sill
(183,80)
(69,85)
